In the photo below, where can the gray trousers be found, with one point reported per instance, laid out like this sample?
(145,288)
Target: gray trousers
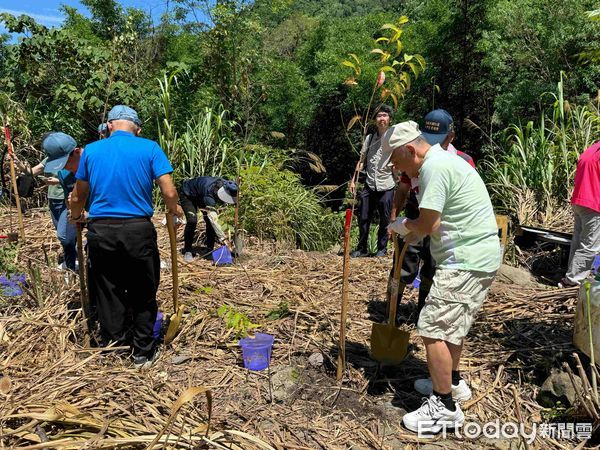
(585,244)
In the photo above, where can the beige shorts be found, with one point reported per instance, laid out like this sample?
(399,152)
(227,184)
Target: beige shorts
(452,303)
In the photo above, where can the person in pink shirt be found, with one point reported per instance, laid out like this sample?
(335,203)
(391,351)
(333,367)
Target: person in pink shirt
(585,244)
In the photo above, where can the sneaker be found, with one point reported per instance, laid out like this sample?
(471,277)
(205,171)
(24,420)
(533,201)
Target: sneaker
(381,253)
(460,392)
(432,417)
(566,283)
(145,362)
(358,254)
(188,257)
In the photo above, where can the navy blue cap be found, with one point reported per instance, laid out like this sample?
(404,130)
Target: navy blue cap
(58,147)
(438,123)
(228,192)
(122,112)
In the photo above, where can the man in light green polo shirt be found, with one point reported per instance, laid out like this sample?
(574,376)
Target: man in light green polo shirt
(456,211)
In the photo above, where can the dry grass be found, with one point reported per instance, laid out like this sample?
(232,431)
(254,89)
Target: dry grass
(56,393)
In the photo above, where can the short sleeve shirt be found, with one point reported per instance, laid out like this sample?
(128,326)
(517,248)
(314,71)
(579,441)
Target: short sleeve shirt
(467,238)
(121,170)
(377,163)
(586,192)
(55,191)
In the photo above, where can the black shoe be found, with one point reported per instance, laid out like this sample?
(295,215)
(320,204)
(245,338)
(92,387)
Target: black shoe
(381,253)
(145,361)
(358,254)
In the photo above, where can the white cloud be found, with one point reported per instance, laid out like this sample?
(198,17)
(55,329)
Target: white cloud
(43,18)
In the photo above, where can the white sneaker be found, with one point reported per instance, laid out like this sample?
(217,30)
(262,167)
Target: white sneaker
(460,392)
(188,257)
(432,417)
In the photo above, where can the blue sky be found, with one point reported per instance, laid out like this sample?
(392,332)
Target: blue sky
(47,12)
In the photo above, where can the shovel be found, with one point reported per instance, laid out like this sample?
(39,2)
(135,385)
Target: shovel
(175,318)
(388,343)
(83,291)
(238,242)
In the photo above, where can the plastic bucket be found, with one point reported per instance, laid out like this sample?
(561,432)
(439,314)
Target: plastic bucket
(257,351)
(596,266)
(222,256)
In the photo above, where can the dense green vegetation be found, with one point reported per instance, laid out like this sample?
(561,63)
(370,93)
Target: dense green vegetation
(215,81)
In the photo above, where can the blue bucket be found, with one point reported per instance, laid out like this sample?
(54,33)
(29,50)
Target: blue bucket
(596,267)
(257,351)
(222,256)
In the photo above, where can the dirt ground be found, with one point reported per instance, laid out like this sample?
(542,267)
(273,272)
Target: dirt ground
(58,393)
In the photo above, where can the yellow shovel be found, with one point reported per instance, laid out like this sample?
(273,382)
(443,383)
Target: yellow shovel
(388,343)
(175,319)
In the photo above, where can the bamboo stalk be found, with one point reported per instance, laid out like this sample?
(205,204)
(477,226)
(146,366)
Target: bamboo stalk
(341,360)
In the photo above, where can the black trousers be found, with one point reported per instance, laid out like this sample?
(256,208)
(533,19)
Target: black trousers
(416,255)
(190,209)
(371,201)
(124,273)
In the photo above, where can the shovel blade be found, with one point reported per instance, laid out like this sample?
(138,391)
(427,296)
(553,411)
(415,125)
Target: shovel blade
(174,325)
(388,343)
(238,245)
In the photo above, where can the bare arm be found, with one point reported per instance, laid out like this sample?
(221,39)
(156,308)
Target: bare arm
(78,198)
(169,193)
(400,197)
(427,222)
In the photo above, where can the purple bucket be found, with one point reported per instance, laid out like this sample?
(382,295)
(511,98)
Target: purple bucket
(596,264)
(222,256)
(257,351)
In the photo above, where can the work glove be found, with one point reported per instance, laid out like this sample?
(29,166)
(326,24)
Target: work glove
(398,226)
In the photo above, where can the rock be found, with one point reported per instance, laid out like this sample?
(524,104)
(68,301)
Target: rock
(180,359)
(283,382)
(515,275)
(558,388)
(391,413)
(316,359)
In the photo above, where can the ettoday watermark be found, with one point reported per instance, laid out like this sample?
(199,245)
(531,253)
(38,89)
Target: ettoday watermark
(508,430)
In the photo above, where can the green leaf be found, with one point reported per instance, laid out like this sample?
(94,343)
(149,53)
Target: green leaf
(349,64)
(388,69)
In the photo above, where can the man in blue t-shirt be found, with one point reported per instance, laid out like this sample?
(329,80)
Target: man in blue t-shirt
(117,173)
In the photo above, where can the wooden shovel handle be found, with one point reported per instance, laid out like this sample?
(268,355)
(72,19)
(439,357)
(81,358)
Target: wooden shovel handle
(393,292)
(174,267)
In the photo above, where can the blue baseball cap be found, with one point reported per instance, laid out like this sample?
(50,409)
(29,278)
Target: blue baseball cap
(102,128)
(438,123)
(58,147)
(122,112)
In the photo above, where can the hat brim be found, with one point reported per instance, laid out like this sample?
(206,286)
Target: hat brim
(224,196)
(57,164)
(433,139)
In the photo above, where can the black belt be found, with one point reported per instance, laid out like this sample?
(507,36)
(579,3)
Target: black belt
(116,221)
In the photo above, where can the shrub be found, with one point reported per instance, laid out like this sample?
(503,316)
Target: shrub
(274,204)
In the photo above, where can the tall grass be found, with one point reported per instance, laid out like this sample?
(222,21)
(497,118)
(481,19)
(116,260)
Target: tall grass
(530,174)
